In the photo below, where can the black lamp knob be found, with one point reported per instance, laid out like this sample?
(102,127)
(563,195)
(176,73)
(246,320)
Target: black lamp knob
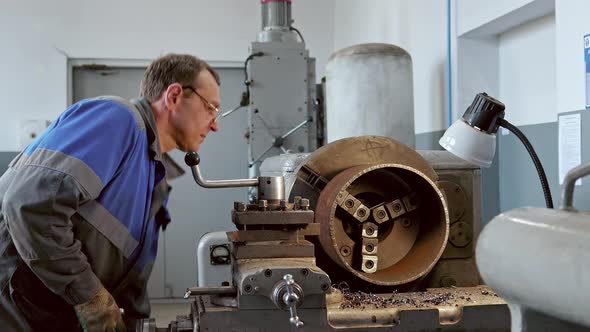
(192,158)
(484,112)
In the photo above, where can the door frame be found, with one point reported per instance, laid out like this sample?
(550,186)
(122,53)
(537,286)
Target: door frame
(127,63)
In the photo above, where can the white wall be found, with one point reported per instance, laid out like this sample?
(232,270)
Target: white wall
(572,23)
(418,26)
(358,22)
(547,53)
(39,36)
(521,40)
(527,72)
(476,70)
(474,13)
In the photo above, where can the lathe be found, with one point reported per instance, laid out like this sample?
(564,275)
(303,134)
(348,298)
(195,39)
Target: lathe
(362,234)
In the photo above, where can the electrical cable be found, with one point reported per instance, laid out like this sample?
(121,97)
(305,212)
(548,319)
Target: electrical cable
(546,190)
(299,33)
(246,78)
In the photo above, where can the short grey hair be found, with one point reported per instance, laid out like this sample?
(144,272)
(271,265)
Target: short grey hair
(172,68)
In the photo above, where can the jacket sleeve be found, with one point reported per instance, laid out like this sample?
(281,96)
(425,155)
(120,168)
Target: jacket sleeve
(68,165)
(37,207)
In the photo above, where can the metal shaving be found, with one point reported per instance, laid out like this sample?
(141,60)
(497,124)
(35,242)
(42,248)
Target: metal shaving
(439,299)
(355,300)
(361,300)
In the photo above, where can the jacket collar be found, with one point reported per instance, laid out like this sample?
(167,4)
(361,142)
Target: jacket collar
(145,109)
(173,170)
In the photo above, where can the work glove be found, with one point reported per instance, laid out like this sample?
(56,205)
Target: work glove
(100,313)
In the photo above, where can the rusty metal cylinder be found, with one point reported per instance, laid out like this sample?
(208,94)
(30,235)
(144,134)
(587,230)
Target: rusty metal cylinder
(383,219)
(387,224)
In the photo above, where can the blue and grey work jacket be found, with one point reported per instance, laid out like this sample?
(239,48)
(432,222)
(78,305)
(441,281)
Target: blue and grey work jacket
(82,206)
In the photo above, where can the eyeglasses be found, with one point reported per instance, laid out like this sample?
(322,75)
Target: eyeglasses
(210,107)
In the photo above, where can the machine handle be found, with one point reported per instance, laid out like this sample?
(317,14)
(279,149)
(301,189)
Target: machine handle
(192,159)
(297,127)
(221,290)
(290,299)
(279,140)
(567,195)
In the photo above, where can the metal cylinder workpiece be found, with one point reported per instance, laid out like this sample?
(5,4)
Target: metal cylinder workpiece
(276,15)
(271,189)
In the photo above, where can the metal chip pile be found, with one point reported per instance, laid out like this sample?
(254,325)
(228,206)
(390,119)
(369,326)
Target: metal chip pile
(361,300)
(439,299)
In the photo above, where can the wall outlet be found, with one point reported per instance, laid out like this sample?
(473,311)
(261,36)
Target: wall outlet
(29,130)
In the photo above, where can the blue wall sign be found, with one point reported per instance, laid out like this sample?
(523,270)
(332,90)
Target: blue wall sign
(587,61)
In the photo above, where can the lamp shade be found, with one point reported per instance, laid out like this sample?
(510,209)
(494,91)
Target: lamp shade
(469,143)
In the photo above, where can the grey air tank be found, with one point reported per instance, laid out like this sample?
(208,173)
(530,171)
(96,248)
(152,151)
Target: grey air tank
(369,91)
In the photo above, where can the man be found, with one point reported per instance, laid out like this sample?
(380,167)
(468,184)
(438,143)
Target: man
(81,207)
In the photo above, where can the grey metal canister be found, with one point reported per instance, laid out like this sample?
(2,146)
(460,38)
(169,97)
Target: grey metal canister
(369,91)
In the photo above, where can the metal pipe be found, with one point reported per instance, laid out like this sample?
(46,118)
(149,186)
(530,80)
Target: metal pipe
(261,155)
(192,160)
(449,69)
(222,290)
(231,111)
(538,258)
(569,182)
(278,141)
(287,134)
(221,183)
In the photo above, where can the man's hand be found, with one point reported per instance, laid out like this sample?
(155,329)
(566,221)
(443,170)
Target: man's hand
(101,313)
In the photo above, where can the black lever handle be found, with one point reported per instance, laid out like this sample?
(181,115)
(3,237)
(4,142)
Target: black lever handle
(192,158)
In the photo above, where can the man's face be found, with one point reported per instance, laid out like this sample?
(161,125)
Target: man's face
(196,114)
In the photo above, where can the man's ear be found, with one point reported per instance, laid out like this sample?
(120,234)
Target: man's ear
(172,95)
